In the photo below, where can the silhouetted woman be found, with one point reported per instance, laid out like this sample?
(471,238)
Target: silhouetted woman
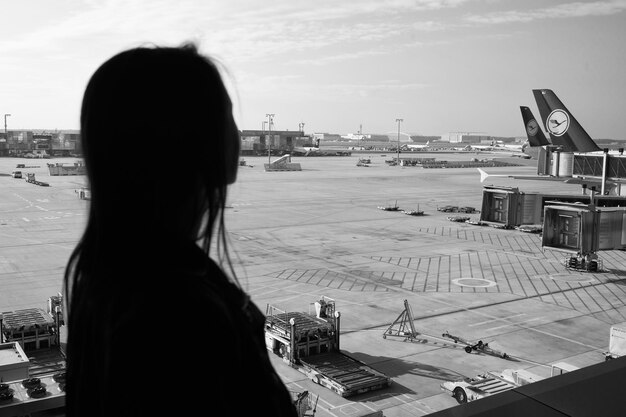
(155,326)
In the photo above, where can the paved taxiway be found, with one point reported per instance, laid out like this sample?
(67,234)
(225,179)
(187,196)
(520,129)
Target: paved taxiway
(300,235)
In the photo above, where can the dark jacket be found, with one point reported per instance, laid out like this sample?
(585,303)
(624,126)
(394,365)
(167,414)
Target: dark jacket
(180,340)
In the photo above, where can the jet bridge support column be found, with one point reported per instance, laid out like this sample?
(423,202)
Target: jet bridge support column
(292,341)
(604,165)
(337,320)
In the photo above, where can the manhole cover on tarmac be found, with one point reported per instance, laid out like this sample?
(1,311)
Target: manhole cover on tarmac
(474,282)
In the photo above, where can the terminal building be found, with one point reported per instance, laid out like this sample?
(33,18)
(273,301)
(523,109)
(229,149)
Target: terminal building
(279,142)
(39,143)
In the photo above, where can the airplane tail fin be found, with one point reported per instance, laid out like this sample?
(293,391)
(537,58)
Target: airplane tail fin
(533,131)
(563,128)
(483,175)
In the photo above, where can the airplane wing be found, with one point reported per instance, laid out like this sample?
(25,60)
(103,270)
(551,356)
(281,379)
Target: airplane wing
(610,185)
(484,175)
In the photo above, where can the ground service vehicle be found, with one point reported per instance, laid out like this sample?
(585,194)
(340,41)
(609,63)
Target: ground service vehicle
(617,342)
(310,344)
(489,383)
(30,178)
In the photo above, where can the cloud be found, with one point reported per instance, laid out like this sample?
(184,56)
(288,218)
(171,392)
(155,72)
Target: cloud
(241,30)
(562,11)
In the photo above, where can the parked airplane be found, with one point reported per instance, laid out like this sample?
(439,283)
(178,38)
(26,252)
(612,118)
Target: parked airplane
(417,146)
(566,135)
(564,129)
(533,132)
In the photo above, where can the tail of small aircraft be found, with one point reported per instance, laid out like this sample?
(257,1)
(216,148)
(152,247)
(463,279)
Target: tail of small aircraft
(563,128)
(533,131)
(483,175)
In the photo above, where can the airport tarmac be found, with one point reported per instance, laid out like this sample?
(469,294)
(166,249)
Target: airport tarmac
(300,235)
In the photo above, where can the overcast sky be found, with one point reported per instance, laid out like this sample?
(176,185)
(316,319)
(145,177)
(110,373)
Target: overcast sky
(441,65)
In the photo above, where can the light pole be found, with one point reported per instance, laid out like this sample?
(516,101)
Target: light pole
(270,119)
(399,121)
(263,129)
(6,132)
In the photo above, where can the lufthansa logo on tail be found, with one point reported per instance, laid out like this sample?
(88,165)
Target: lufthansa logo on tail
(532,127)
(557,122)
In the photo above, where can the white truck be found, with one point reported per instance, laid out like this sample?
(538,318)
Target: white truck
(617,342)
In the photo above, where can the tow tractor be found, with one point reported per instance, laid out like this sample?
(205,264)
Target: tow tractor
(389,207)
(309,343)
(479,346)
(492,382)
(488,383)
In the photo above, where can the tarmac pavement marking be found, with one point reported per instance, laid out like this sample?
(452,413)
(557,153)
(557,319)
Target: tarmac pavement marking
(328,407)
(274,289)
(412,402)
(498,319)
(474,310)
(514,324)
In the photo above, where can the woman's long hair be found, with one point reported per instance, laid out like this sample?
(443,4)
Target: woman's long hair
(160,147)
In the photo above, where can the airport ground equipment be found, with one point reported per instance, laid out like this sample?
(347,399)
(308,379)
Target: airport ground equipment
(416,212)
(309,343)
(38,332)
(305,402)
(530,229)
(31,395)
(582,230)
(364,162)
(30,178)
(283,164)
(388,207)
(448,209)
(458,219)
(403,326)
(478,346)
(83,193)
(559,368)
(77,168)
(488,383)
(617,342)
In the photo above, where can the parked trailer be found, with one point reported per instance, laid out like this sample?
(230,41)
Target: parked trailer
(30,178)
(310,344)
